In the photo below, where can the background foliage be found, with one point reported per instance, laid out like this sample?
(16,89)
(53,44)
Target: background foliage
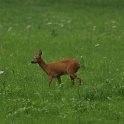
(91,31)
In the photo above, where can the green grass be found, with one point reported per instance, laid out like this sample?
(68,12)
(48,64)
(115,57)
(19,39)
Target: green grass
(91,31)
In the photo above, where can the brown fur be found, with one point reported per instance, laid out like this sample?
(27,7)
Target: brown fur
(57,69)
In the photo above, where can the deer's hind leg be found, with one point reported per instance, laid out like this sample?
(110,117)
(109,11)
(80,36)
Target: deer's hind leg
(72,72)
(79,80)
(73,77)
(59,79)
(50,80)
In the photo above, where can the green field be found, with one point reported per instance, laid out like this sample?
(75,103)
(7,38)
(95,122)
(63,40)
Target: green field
(90,31)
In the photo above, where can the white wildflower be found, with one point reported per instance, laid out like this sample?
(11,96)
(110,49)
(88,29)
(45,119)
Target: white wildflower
(96,45)
(114,26)
(28,26)
(1,72)
(113,21)
(61,24)
(108,98)
(11,55)
(49,23)
(68,21)
(10,29)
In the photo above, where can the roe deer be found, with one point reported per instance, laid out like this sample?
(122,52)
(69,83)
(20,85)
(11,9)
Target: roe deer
(56,69)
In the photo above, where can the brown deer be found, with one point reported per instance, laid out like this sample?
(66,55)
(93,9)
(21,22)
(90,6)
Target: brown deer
(56,69)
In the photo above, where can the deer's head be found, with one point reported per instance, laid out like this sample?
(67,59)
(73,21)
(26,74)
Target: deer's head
(37,57)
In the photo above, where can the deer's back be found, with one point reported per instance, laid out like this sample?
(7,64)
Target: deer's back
(62,67)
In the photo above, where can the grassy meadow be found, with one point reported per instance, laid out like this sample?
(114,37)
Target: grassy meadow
(90,31)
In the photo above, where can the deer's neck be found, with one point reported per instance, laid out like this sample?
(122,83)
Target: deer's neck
(42,64)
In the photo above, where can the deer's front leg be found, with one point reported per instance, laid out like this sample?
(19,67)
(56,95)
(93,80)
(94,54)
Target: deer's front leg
(50,80)
(59,80)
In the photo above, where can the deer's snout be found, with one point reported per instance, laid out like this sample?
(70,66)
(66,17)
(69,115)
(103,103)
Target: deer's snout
(32,61)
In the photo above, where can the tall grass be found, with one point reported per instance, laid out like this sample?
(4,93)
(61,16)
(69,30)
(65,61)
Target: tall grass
(89,31)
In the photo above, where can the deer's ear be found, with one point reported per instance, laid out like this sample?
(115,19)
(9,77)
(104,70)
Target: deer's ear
(40,52)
